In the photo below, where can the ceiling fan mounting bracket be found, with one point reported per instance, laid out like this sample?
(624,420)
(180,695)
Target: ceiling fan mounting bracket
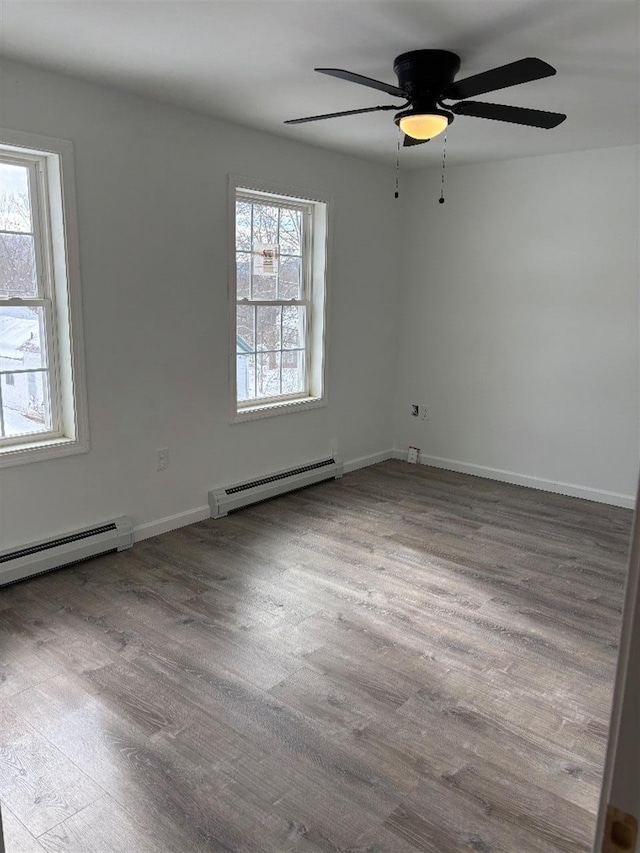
(426,73)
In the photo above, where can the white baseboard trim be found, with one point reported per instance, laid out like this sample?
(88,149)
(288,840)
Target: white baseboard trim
(559,488)
(200,513)
(371,459)
(171,522)
(191,516)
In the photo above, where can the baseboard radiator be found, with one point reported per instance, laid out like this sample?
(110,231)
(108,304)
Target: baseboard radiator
(223,501)
(38,557)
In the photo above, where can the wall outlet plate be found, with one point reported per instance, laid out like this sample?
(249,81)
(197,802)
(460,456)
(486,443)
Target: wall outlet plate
(413,454)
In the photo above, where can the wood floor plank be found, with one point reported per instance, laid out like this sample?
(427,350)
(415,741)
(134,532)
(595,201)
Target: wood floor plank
(150,778)
(20,667)
(243,655)
(38,783)
(336,706)
(17,839)
(483,811)
(406,659)
(128,691)
(102,827)
(266,595)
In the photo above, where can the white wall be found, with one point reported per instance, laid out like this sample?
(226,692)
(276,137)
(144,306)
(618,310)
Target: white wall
(152,210)
(519,322)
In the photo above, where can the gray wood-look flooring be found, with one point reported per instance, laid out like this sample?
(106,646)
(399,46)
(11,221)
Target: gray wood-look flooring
(403,660)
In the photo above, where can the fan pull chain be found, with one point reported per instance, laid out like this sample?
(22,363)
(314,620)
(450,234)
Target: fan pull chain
(396,194)
(444,162)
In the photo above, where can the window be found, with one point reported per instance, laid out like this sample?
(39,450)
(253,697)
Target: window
(42,404)
(278,286)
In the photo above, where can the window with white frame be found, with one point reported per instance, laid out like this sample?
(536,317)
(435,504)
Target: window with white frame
(42,405)
(278,301)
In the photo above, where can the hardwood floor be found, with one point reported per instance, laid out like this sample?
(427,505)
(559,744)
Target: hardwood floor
(403,660)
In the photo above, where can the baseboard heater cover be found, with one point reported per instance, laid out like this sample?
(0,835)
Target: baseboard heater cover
(47,554)
(223,501)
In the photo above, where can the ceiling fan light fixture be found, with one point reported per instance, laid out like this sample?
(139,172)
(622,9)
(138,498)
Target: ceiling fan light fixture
(423,125)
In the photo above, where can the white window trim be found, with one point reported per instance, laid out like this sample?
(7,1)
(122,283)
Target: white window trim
(63,224)
(320,266)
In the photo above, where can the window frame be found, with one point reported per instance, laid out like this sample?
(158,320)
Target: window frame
(54,222)
(314,295)
(39,199)
(305,301)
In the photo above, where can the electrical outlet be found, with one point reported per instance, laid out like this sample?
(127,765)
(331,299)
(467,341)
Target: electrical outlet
(415,410)
(413,454)
(423,413)
(163,458)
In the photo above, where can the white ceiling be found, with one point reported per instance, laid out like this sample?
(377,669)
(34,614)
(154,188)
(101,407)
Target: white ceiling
(252,63)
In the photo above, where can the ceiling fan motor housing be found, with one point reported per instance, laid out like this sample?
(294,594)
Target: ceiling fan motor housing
(425,75)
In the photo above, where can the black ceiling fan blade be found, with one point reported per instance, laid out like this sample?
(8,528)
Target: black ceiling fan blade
(409,141)
(522,71)
(363,81)
(515,115)
(343,113)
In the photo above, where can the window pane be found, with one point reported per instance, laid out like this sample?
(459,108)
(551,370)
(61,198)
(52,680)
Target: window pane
(243,275)
(264,286)
(265,224)
(271,338)
(293,372)
(243,225)
(25,403)
(22,339)
(268,375)
(290,232)
(15,204)
(245,377)
(289,281)
(17,265)
(245,330)
(268,327)
(293,326)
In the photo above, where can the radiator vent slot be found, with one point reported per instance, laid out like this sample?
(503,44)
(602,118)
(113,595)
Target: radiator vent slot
(223,501)
(54,543)
(283,475)
(47,554)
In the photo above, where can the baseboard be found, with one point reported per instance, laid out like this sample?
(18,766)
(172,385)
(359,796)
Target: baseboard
(171,522)
(559,488)
(371,459)
(200,513)
(191,516)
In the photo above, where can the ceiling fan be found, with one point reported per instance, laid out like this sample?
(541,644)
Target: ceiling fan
(426,82)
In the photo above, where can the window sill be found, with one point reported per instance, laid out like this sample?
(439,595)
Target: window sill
(34,451)
(270,410)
